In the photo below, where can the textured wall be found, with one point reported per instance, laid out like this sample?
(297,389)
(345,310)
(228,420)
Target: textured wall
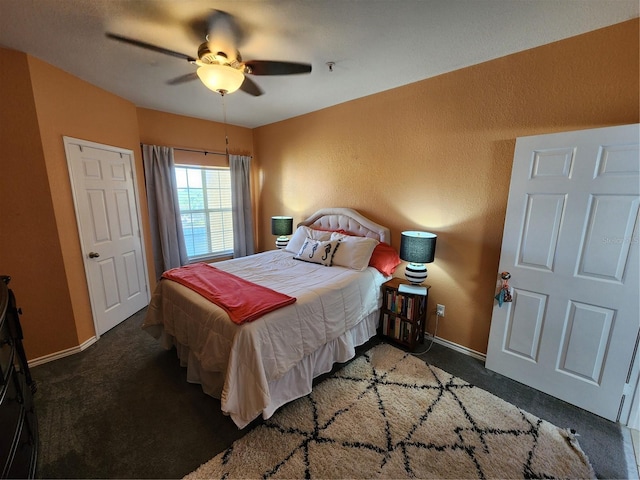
(30,250)
(68,106)
(436,155)
(39,243)
(160,128)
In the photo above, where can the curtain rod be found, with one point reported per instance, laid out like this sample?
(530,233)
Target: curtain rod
(199,151)
(206,152)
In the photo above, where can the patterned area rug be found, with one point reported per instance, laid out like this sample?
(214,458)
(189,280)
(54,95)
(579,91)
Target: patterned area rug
(387,414)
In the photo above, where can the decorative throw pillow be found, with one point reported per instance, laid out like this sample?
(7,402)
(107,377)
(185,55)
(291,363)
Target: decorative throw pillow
(301,234)
(354,252)
(385,259)
(340,230)
(317,251)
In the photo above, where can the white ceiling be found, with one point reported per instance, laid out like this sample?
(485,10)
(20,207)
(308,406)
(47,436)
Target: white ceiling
(376,44)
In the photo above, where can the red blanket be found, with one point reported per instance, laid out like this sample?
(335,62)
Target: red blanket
(244,301)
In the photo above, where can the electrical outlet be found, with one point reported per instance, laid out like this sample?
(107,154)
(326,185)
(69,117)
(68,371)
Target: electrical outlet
(440,310)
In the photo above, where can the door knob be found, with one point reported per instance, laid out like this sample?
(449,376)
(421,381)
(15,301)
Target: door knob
(93,255)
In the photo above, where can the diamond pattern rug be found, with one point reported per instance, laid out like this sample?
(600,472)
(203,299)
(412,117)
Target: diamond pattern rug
(387,414)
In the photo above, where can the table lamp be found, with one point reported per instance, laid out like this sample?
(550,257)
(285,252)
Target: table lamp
(417,248)
(281,226)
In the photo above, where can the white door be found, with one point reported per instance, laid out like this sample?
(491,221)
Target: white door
(571,245)
(103,184)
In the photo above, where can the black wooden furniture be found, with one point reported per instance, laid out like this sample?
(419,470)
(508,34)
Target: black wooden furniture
(18,421)
(403,315)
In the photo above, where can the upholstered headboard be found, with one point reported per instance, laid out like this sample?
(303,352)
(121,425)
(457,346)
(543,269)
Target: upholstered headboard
(349,220)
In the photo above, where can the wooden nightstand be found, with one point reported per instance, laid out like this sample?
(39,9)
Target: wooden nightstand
(403,315)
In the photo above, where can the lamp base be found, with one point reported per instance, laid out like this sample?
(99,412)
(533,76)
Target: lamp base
(416,273)
(282,242)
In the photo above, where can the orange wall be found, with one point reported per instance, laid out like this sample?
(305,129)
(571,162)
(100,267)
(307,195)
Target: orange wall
(436,155)
(160,128)
(39,243)
(30,249)
(68,106)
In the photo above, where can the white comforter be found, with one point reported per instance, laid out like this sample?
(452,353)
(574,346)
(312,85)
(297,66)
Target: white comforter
(330,301)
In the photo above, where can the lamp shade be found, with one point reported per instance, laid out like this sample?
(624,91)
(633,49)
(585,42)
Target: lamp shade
(220,78)
(418,247)
(281,225)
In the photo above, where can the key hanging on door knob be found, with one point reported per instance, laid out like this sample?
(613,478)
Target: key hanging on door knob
(504,294)
(93,255)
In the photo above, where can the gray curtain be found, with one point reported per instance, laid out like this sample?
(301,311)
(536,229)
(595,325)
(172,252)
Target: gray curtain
(169,250)
(240,167)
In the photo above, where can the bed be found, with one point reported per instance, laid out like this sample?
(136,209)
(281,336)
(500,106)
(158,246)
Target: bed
(258,366)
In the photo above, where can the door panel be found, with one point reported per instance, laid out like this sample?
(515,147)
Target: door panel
(525,324)
(109,282)
(571,245)
(108,222)
(609,217)
(541,229)
(100,224)
(587,331)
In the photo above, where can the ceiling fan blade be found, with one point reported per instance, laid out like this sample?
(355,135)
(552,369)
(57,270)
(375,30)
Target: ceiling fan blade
(148,46)
(183,79)
(250,87)
(218,24)
(224,34)
(223,23)
(269,67)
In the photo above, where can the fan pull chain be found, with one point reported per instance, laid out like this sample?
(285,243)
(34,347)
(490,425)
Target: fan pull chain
(224,116)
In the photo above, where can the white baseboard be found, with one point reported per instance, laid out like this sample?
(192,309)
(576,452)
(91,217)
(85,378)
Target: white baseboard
(64,353)
(73,350)
(458,348)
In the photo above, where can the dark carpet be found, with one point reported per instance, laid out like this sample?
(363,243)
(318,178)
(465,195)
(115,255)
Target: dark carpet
(123,409)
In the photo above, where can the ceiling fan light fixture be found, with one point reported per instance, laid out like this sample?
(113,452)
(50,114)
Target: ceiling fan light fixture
(220,78)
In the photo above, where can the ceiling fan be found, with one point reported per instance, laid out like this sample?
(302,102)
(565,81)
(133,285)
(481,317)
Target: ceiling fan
(220,66)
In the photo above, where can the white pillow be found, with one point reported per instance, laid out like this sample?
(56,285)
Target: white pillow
(317,251)
(301,234)
(354,252)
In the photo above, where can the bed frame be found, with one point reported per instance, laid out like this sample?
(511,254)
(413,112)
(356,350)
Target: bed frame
(297,382)
(347,219)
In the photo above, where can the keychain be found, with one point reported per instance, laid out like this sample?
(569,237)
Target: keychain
(504,295)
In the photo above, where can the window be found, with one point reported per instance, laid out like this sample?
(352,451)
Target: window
(204,196)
